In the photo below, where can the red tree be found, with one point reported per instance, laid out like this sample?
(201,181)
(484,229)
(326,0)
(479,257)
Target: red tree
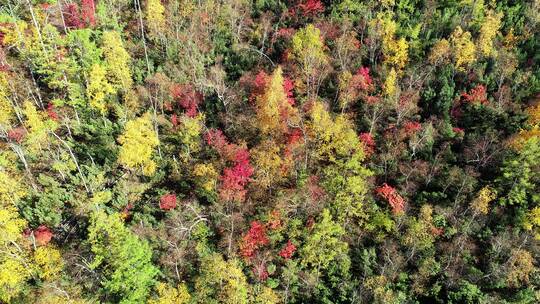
(478,95)
(392,197)
(88,12)
(43,235)
(71,15)
(17,134)
(167,202)
(187,97)
(253,240)
(288,251)
(310,8)
(368,143)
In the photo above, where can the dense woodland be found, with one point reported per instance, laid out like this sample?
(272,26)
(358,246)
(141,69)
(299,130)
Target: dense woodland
(269,151)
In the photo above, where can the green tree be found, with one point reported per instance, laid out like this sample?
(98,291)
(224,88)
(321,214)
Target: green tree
(123,258)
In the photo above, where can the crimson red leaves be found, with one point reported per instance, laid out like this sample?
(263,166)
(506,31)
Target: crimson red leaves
(368,142)
(43,235)
(478,95)
(167,202)
(392,197)
(288,251)
(187,97)
(253,240)
(79,18)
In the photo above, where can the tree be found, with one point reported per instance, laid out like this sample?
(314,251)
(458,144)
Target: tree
(464,50)
(325,257)
(98,88)
(488,31)
(220,281)
(155,16)
(273,107)
(117,61)
(170,295)
(138,142)
(309,50)
(124,259)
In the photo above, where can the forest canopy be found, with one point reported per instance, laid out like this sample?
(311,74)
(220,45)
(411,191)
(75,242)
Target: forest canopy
(269,151)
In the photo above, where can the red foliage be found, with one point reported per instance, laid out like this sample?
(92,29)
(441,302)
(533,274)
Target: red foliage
(364,79)
(294,136)
(288,251)
(167,202)
(285,32)
(478,95)
(368,143)
(260,272)
(72,17)
(43,235)
(392,197)
(253,240)
(310,8)
(51,112)
(234,179)
(288,86)
(187,97)
(174,120)
(458,131)
(371,100)
(17,134)
(88,12)
(412,127)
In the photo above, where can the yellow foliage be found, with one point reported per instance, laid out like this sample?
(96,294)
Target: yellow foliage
(170,295)
(464,49)
(272,104)
(221,281)
(117,61)
(190,133)
(389,88)
(138,142)
(268,164)
(12,186)
(11,225)
(155,16)
(98,88)
(395,50)
(206,176)
(481,202)
(308,46)
(48,261)
(15,34)
(13,276)
(333,137)
(38,126)
(520,267)
(488,31)
(519,140)
(267,296)
(532,222)
(6,109)
(440,52)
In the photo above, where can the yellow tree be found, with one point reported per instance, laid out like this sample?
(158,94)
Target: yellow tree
(138,142)
(488,31)
(155,16)
(6,109)
(98,88)
(273,108)
(464,50)
(309,50)
(117,61)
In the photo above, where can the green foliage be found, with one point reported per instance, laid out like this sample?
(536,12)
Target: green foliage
(124,259)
